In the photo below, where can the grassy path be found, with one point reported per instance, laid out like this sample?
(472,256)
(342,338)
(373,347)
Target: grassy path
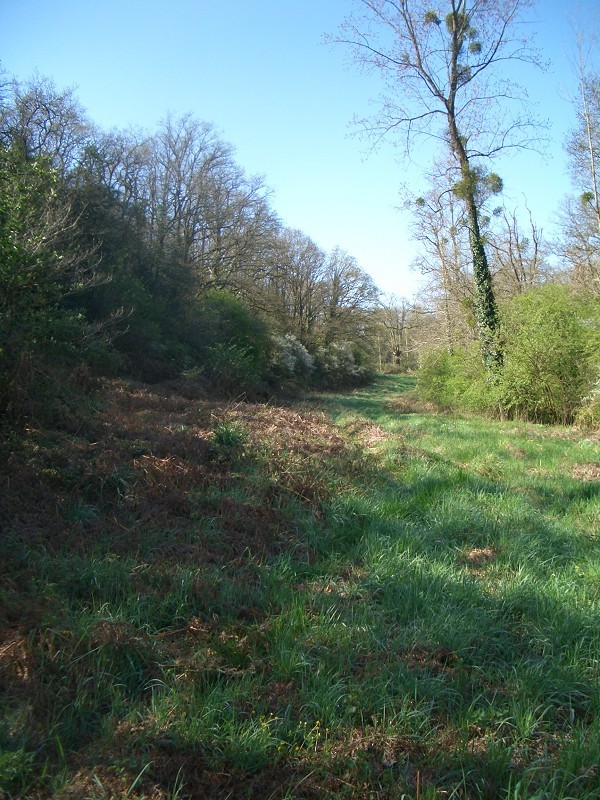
(249,601)
(483,548)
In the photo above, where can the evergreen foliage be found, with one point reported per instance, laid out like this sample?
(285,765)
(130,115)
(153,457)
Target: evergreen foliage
(42,269)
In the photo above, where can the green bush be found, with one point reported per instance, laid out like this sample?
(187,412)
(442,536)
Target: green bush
(232,369)
(42,332)
(547,360)
(230,441)
(550,341)
(16,767)
(434,379)
(233,345)
(588,415)
(456,380)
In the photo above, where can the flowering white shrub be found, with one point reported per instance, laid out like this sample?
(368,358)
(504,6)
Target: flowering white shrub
(289,357)
(338,363)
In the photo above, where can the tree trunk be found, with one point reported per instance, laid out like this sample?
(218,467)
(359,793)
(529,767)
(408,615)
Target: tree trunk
(486,310)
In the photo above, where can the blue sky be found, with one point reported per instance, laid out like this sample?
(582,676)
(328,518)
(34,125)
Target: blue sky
(259,71)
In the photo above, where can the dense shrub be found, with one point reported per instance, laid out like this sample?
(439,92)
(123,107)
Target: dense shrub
(547,362)
(41,269)
(341,364)
(232,345)
(588,414)
(290,361)
(457,380)
(435,377)
(550,341)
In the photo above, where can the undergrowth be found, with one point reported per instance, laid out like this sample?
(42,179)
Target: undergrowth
(199,600)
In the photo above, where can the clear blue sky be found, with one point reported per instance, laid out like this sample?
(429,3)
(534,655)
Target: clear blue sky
(258,70)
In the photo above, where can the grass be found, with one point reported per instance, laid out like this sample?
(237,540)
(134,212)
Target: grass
(351,597)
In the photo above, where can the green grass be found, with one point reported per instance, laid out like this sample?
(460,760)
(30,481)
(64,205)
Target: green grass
(408,608)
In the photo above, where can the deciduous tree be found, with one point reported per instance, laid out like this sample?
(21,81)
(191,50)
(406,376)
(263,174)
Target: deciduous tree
(442,70)
(583,144)
(38,119)
(581,217)
(518,256)
(350,295)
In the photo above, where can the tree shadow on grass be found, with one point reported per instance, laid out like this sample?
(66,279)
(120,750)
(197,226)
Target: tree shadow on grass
(367,617)
(367,402)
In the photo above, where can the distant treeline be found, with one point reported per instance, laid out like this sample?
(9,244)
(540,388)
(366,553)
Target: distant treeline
(153,255)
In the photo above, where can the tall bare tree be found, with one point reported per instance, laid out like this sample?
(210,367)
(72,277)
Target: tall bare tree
(583,145)
(394,338)
(297,284)
(579,246)
(350,297)
(440,227)
(443,73)
(518,255)
(42,120)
